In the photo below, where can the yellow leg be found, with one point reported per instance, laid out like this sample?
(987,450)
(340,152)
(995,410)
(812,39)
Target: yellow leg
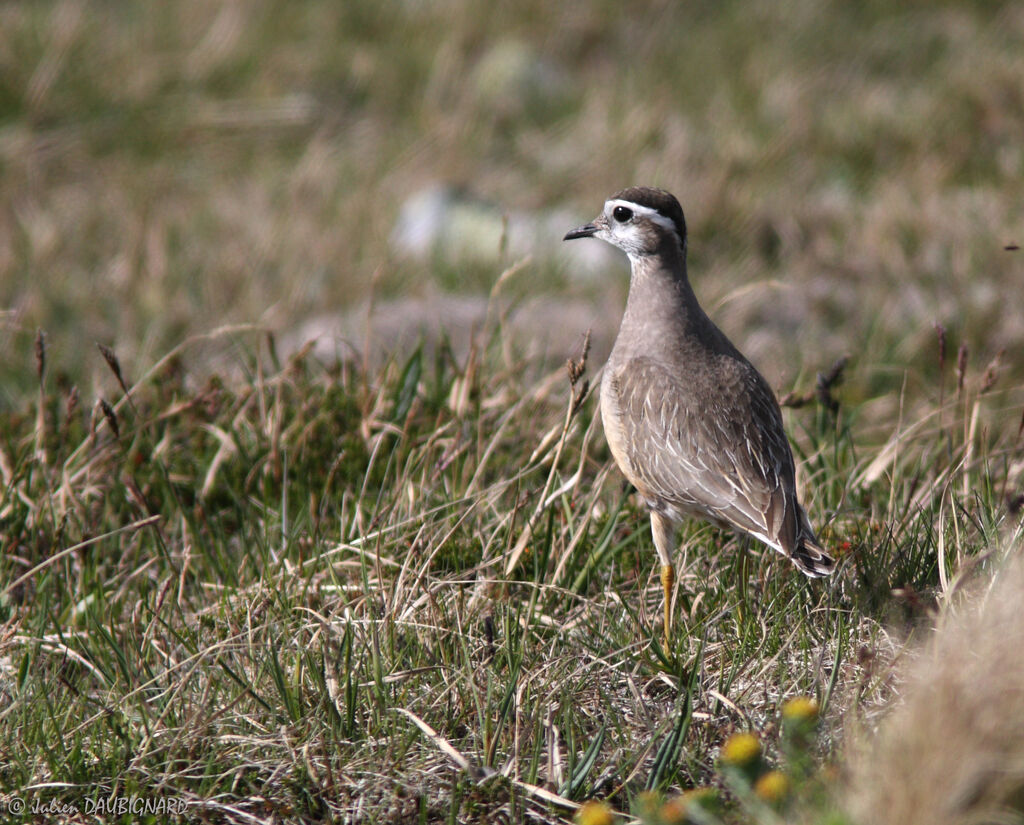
(668,578)
(662,530)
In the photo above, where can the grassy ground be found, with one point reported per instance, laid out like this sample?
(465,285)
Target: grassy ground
(416,589)
(237,595)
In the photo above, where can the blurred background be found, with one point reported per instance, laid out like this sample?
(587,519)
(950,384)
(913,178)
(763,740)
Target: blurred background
(851,172)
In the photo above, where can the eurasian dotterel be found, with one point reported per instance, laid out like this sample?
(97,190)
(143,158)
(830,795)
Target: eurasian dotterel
(690,421)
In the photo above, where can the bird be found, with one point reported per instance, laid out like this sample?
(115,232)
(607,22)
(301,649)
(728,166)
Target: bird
(691,423)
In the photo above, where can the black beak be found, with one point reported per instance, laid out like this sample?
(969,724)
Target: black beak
(585,231)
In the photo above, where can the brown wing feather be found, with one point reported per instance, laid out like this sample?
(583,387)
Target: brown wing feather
(731,463)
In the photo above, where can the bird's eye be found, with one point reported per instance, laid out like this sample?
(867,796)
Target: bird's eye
(622,214)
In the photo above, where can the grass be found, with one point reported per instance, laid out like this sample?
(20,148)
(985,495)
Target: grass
(292,596)
(412,587)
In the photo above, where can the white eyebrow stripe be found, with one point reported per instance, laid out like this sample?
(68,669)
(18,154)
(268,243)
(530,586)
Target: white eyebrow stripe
(644,211)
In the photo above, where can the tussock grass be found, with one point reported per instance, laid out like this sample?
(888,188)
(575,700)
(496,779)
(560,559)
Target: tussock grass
(951,751)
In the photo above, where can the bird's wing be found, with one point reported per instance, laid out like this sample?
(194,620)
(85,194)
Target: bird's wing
(713,446)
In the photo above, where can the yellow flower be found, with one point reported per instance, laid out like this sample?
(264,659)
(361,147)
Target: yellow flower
(772,787)
(741,749)
(673,812)
(594,812)
(800,709)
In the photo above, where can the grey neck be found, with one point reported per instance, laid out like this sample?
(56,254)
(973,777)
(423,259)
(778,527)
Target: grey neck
(662,315)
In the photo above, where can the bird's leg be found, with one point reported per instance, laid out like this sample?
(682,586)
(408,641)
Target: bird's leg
(661,529)
(668,578)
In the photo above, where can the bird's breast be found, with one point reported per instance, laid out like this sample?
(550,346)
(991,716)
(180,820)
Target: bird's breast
(612,421)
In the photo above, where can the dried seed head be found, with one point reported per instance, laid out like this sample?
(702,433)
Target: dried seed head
(40,354)
(111,416)
(115,366)
(575,367)
(70,405)
(988,378)
(580,396)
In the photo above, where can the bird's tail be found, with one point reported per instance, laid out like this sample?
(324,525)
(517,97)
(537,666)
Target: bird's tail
(809,555)
(812,559)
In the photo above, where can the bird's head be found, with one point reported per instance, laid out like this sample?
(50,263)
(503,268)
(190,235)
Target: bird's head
(640,221)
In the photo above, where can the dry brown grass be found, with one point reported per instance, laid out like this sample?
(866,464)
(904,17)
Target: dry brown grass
(952,750)
(857,173)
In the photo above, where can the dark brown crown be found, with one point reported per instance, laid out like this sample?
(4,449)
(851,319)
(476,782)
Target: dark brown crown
(663,202)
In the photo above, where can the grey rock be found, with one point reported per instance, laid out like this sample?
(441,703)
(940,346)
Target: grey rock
(442,220)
